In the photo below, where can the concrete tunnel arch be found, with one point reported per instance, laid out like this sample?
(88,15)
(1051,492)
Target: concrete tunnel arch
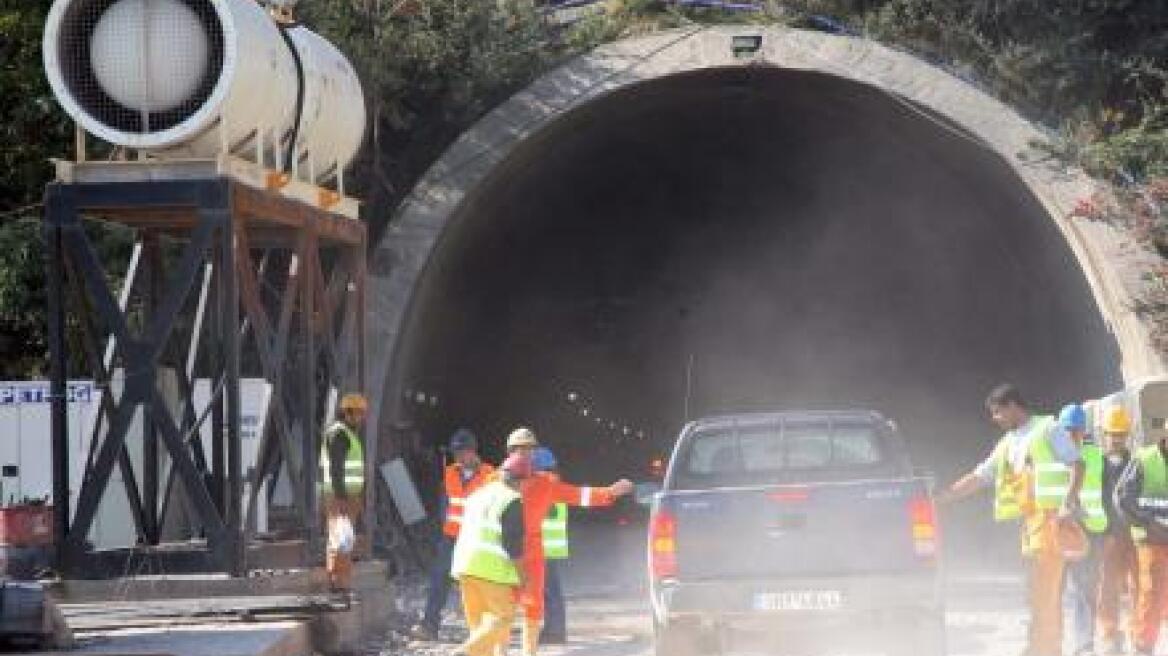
(438,218)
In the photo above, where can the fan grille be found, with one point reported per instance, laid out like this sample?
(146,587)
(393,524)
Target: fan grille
(141,66)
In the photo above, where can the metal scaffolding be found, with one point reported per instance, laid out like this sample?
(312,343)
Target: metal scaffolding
(226,280)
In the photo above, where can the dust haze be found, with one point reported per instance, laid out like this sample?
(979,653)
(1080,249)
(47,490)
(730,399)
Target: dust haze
(806,242)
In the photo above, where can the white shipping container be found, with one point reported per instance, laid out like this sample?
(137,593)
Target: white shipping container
(26,465)
(26,447)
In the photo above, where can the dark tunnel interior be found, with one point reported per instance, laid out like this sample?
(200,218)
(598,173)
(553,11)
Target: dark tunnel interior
(747,239)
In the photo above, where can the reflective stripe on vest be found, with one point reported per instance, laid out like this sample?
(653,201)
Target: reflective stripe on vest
(555,533)
(479,550)
(1051,478)
(354,461)
(1091,494)
(456,492)
(1154,487)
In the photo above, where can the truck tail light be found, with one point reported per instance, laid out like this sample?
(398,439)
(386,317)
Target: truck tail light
(663,545)
(924,526)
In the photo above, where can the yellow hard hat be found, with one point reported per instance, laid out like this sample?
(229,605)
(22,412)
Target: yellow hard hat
(1116,420)
(353,401)
(521,437)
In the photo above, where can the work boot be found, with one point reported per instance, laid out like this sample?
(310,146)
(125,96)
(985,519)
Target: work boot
(424,632)
(552,638)
(1112,648)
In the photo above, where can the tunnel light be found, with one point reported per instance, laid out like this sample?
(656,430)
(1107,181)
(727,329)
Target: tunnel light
(573,397)
(745,45)
(626,430)
(584,411)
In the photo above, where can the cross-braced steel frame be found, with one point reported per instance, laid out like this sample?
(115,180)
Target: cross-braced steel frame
(225,281)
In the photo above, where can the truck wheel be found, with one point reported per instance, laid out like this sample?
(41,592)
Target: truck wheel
(676,641)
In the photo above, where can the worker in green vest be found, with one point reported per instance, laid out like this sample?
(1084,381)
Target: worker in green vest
(1083,574)
(1142,495)
(341,484)
(486,558)
(555,551)
(1033,470)
(1117,573)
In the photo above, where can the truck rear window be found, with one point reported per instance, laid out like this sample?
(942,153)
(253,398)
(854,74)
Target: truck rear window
(727,451)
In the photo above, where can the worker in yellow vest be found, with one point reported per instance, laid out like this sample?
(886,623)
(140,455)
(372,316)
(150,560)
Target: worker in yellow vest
(1118,553)
(341,485)
(555,552)
(486,559)
(1036,472)
(1142,495)
(1083,574)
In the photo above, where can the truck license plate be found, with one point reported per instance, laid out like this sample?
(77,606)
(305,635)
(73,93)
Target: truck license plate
(799,600)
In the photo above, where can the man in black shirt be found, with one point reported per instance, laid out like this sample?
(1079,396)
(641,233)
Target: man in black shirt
(1118,551)
(1142,495)
(341,483)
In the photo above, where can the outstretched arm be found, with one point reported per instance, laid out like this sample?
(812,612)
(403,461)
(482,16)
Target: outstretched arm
(962,488)
(585,496)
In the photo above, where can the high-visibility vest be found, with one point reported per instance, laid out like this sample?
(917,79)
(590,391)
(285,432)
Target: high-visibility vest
(479,550)
(354,461)
(1050,479)
(555,533)
(457,491)
(1091,493)
(1154,487)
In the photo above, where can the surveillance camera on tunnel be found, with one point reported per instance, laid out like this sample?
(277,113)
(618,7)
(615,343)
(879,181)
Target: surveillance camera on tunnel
(1151,416)
(199,78)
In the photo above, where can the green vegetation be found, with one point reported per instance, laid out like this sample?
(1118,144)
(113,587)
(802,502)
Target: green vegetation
(1094,71)
(32,129)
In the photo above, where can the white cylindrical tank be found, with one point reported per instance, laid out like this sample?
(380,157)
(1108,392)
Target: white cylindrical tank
(192,78)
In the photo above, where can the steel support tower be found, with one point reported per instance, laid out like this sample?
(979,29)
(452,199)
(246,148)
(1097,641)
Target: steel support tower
(232,276)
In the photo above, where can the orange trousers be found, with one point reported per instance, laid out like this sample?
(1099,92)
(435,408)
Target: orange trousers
(532,598)
(1152,581)
(1117,575)
(489,608)
(1045,565)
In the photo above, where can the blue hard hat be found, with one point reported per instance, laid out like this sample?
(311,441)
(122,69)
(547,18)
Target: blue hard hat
(543,459)
(1073,417)
(462,439)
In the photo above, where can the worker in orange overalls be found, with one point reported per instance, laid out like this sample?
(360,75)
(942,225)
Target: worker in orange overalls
(461,478)
(540,492)
(1037,473)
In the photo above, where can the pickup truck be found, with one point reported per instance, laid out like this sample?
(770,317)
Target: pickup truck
(794,533)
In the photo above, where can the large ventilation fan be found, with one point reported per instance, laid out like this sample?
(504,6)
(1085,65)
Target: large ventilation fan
(192,78)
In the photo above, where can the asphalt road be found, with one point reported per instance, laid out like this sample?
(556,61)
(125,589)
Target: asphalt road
(608,607)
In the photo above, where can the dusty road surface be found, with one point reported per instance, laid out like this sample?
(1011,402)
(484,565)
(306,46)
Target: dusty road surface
(608,609)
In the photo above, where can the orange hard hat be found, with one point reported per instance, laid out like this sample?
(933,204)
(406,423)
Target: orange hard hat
(1072,540)
(354,401)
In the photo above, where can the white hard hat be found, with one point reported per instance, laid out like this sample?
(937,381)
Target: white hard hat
(521,437)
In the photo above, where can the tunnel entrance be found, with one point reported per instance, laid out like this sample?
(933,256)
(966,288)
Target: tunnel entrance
(747,238)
